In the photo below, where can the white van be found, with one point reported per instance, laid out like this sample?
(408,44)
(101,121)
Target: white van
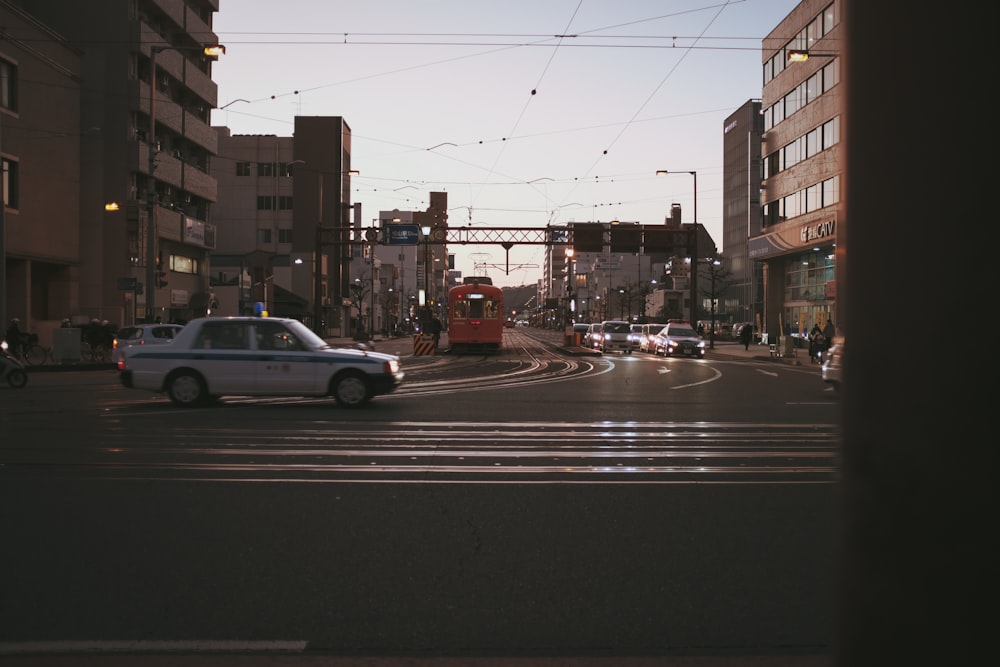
(647,335)
(617,336)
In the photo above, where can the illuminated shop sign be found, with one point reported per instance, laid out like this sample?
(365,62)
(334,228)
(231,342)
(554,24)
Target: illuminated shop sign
(820,230)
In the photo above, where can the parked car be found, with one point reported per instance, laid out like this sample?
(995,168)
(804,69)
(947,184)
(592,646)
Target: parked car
(679,338)
(594,338)
(141,334)
(617,336)
(213,357)
(833,362)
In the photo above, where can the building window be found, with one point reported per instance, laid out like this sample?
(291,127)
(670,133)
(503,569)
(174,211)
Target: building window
(242,168)
(266,168)
(284,236)
(9,183)
(285,203)
(181,264)
(263,236)
(284,169)
(266,202)
(8,85)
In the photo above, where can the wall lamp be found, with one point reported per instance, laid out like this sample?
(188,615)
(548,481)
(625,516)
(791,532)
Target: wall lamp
(802,55)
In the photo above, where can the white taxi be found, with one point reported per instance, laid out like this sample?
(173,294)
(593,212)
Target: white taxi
(213,357)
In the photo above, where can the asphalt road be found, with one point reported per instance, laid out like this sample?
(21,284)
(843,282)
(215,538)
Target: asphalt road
(156,564)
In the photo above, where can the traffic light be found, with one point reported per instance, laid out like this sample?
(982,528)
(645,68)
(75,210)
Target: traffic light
(161,275)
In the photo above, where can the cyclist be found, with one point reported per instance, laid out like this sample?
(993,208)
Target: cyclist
(15,337)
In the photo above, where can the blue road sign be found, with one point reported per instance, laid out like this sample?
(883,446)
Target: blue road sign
(402,235)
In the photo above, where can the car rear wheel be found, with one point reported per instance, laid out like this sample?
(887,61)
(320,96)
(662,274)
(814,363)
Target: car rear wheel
(351,389)
(187,389)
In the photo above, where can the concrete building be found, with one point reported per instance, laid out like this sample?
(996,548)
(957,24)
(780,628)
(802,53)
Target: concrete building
(400,265)
(742,301)
(625,272)
(286,224)
(802,213)
(252,262)
(145,143)
(41,141)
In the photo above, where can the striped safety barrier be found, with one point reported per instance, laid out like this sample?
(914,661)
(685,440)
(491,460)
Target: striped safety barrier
(423,345)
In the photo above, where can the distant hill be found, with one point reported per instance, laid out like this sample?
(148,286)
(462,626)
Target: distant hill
(520,299)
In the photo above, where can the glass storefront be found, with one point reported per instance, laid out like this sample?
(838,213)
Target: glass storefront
(809,290)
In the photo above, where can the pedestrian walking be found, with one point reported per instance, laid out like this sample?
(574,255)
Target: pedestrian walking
(746,333)
(817,343)
(435,329)
(829,331)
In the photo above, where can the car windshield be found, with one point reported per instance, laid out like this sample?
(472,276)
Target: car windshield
(682,332)
(616,327)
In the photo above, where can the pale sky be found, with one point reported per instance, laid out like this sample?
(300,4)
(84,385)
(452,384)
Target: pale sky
(526,112)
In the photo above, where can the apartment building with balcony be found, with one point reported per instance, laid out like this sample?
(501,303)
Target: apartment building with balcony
(146,143)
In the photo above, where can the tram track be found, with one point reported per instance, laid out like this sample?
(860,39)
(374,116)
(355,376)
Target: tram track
(456,452)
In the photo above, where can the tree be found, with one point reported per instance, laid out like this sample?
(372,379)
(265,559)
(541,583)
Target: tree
(713,280)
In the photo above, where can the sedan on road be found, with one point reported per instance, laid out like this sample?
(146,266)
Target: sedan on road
(257,356)
(141,334)
(679,338)
(832,364)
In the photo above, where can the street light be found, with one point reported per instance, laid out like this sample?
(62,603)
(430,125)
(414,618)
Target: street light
(212,51)
(695,175)
(425,316)
(570,291)
(712,263)
(692,251)
(372,236)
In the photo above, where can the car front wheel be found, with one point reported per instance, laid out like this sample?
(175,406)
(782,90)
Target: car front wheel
(187,389)
(351,390)
(17,378)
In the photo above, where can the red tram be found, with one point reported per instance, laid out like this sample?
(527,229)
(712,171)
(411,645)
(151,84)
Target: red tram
(475,316)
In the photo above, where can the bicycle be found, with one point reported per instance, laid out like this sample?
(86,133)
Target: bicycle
(32,353)
(94,353)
